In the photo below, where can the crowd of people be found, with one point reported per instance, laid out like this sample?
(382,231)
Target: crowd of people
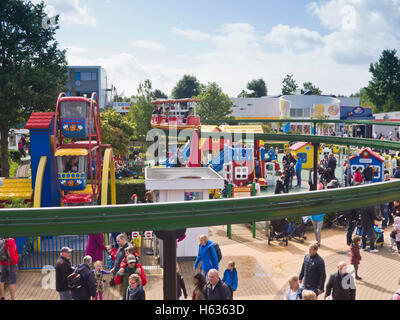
(87,280)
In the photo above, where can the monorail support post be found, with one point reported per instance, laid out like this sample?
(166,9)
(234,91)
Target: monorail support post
(315,170)
(169,255)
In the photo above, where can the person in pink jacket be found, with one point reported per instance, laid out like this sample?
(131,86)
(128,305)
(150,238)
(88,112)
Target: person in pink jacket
(95,247)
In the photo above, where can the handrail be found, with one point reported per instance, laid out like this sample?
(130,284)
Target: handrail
(361,122)
(180,215)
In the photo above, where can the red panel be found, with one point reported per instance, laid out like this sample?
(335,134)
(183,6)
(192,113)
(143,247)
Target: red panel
(78,198)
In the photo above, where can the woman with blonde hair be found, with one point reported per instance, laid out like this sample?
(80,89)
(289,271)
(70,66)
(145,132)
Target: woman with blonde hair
(135,290)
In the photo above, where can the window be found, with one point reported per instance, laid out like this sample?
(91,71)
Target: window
(307,112)
(292,113)
(87,76)
(241,173)
(299,113)
(77,76)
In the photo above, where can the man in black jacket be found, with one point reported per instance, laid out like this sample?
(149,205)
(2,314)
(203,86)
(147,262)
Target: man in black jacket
(88,288)
(216,289)
(352,217)
(341,285)
(368,217)
(123,243)
(63,270)
(332,162)
(313,271)
(280,185)
(368,174)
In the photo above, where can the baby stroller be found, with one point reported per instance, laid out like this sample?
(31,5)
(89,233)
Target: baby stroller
(279,231)
(379,239)
(298,233)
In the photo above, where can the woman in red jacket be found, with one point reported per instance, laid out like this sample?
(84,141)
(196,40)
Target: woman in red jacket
(9,267)
(357,176)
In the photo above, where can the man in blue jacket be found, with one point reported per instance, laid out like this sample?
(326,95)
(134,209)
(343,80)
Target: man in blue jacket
(318,221)
(207,256)
(298,166)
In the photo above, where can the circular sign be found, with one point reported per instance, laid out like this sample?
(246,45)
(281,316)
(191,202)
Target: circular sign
(135,235)
(333,110)
(148,234)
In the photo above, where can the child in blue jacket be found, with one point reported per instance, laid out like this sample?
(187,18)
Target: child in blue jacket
(230,276)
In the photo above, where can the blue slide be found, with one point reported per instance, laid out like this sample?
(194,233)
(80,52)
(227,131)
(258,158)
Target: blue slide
(185,153)
(219,160)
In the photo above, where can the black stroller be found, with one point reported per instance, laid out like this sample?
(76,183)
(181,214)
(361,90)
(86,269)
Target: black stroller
(298,232)
(279,231)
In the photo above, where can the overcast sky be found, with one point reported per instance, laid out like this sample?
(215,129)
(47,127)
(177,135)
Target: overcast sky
(330,43)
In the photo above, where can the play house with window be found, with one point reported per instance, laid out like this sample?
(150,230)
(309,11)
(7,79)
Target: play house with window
(366,155)
(306,151)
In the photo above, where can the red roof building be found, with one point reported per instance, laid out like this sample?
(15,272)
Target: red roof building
(40,120)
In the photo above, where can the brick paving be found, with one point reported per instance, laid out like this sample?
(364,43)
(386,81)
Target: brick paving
(263,269)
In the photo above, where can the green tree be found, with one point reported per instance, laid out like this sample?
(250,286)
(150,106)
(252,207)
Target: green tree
(214,103)
(158,94)
(243,94)
(116,130)
(384,88)
(365,101)
(289,85)
(33,70)
(309,86)
(187,87)
(258,88)
(140,112)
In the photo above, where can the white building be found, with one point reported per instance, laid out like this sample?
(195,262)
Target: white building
(256,108)
(387,131)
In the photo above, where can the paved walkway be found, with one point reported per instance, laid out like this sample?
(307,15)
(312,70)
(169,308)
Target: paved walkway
(263,269)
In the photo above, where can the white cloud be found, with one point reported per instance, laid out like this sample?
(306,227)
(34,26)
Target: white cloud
(71,12)
(191,34)
(360,29)
(149,45)
(335,59)
(293,38)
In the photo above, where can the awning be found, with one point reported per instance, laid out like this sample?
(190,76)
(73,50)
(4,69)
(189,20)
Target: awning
(71,152)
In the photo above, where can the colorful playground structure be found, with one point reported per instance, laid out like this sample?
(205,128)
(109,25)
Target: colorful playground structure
(67,161)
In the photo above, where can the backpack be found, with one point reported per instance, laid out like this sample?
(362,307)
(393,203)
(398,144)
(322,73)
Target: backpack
(217,250)
(75,280)
(4,256)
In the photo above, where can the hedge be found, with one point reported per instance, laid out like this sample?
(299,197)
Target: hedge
(125,189)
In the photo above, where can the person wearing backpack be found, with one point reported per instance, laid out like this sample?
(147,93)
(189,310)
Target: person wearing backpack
(207,255)
(87,288)
(9,265)
(63,270)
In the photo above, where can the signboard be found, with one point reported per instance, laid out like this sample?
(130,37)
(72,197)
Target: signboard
(148,235)
(135,235)
(241,192)
(332,110)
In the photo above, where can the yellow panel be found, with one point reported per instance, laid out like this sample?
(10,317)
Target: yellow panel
(16,188)
(39,181)
(71,152)
(108,166)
